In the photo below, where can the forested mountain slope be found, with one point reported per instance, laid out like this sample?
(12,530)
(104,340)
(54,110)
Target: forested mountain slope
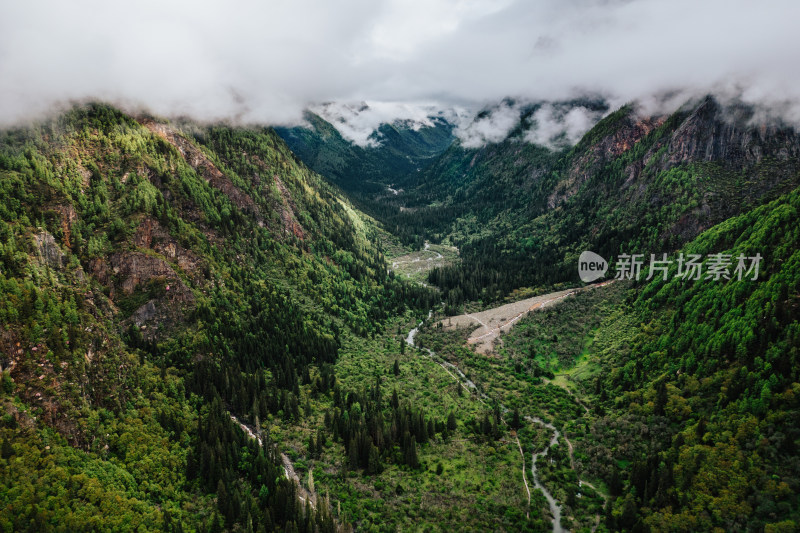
(678,395)
(377,174)
(155,278)
(710,367)
(632,185)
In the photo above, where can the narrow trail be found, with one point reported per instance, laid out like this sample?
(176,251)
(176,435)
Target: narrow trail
(509,323)
(492,322)
(479,321)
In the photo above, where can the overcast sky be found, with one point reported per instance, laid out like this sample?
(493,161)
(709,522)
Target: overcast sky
(265,61)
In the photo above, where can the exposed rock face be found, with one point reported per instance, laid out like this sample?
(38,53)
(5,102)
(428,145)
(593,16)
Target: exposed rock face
(145,313)
(151,235)
(68,217)
(288,209)
(129,272)
(48,250)
(728,136)
(630,132)
(134,268)
(711,133)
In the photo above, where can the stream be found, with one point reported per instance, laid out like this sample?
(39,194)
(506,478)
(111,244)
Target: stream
(303,494)
(555,509)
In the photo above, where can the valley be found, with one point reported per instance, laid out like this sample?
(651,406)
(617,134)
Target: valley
(415,266)
(205,330)
(385,267)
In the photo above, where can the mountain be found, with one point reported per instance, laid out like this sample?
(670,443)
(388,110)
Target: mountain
(157,279)
(643,183)
(198,332)
(712,369)
(676,398)
(685,389)
(521,211)
(394,154)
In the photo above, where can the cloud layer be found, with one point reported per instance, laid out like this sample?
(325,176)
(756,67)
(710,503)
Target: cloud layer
(267,61)
(358,121)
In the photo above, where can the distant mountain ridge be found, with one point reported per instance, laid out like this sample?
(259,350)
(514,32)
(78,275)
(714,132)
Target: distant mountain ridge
(401,149)
(630,181)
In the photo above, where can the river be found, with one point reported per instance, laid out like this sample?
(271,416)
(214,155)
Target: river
(555,508)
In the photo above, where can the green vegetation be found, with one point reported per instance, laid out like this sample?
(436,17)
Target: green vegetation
(198,333)
(521,215)
(675,394)
(152,272)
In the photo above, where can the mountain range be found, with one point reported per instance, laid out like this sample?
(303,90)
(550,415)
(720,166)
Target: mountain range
(203,327)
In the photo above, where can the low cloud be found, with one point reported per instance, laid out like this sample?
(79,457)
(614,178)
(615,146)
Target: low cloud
(491,125)
(558,127)
(266,62)
(358,122)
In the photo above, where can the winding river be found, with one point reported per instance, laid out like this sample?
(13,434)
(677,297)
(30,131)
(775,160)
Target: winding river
(555,508)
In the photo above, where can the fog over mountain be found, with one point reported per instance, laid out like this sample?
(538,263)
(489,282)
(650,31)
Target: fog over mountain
(267,62)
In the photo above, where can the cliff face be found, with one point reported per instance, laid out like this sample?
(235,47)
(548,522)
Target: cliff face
(730,135)
(703,164)
(727,136)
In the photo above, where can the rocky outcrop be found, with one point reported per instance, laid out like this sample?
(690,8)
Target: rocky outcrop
(150,235)
(127,273)
(48,250)
(287,211)
(68,218)
(145,314)
(730,135)
(132,269)
(630,131)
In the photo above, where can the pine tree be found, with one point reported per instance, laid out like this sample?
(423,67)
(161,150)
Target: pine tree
(374,463)
(321,441)
(7,450)
(411,454)
(395,400)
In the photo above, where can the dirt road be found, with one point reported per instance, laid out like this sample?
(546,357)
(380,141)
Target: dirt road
(499,319)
